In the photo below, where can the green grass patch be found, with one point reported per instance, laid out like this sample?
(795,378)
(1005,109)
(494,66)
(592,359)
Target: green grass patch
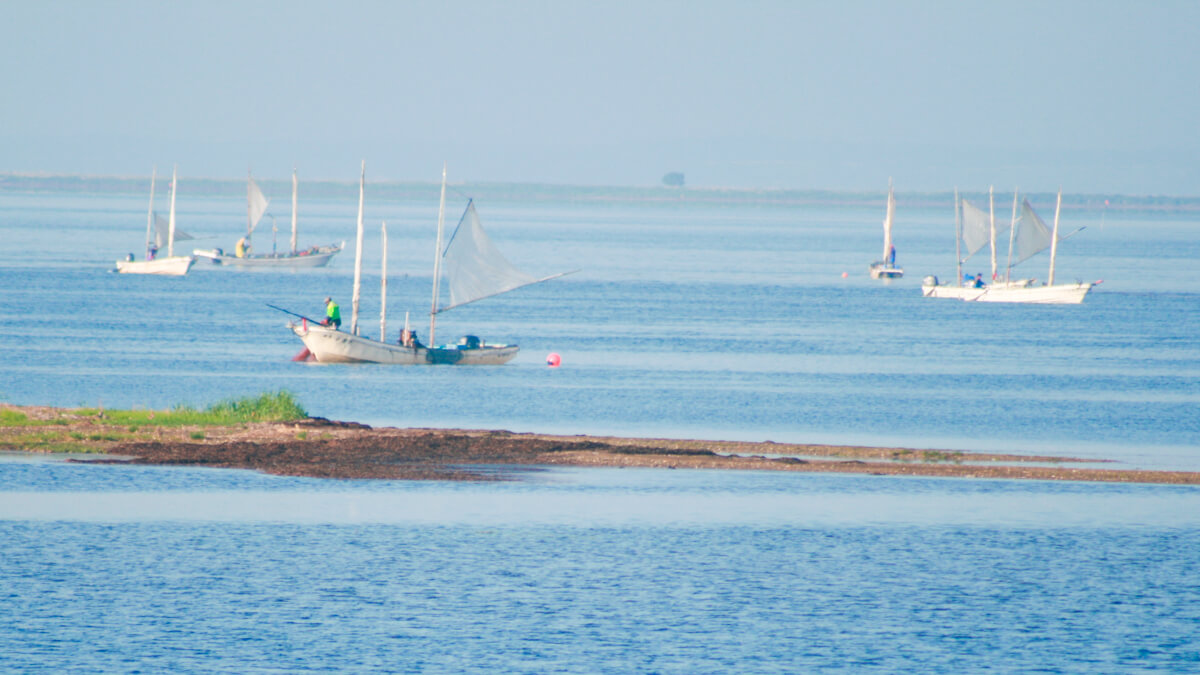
(196,435)
(13,418)
(301,435)
(280,406)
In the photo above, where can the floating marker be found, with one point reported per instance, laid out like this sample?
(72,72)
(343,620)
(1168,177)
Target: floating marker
(845,274)
(553,359)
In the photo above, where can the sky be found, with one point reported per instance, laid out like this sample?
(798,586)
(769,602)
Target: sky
(1096,97)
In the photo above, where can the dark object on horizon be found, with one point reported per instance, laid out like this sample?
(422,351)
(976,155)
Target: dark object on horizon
(674,179)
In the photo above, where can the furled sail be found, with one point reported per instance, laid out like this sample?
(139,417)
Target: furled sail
(161,229)
(256,205)
(474,267)
(887,223)
(1032,235)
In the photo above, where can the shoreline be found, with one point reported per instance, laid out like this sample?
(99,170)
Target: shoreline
(320,448)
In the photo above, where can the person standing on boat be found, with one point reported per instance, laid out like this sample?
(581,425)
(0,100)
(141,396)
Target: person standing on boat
(333,314)
(242,248)
(891,260)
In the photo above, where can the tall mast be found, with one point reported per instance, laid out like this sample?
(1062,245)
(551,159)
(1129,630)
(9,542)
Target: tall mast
(295,186)
(249,199)
(1054,238)
(171,218)
(887,222)
(1012,233)
(958,236)
(383,287)
(362,179)
(992,212)
(437,260)
(150,211)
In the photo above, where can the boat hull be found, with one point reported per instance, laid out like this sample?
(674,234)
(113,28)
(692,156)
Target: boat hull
(885,271)
(1014,291)
(328,345)
(174,266)
(1058,294)
(953,292)
(318,256)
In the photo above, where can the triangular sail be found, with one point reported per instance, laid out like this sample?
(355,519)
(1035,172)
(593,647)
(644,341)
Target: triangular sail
(977,228)
(161,225)
(474,267)
(1032,237)
(256,206)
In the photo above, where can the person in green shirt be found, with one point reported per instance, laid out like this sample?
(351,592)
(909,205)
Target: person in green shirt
(333,314)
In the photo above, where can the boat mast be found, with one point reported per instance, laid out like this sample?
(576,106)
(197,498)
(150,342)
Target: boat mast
(171,218)
(249,200)
(383,286)
(150,211)
(362,179)
(437,260)
(887,223)
(1054,238)
(295,185)
(1012,233)
(958,236)
(992,212)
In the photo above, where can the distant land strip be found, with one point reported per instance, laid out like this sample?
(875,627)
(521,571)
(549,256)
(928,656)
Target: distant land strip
(235,188)
(321,448)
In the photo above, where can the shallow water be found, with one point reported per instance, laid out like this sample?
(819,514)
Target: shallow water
(602,570)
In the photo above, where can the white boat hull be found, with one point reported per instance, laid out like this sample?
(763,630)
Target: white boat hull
(1058,294)
(1012,291)
(953,292)
(328,345)
(174,266)
(318,256)
(885,271)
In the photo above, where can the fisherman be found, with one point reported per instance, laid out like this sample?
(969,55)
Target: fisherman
(891,260)
(979,280)
(333,314)
(242,248)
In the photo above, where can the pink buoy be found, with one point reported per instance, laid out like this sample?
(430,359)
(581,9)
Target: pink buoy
(845,274)
(553,359)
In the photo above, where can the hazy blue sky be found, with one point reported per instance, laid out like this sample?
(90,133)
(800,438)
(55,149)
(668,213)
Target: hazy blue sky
(1095,96)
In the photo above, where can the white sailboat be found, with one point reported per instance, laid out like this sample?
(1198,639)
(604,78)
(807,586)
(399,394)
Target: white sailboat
(1031,236)
(256,208)
(475,269)
(886,268)
(171,265)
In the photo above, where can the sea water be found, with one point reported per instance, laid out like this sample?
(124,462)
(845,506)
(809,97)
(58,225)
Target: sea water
(687,320)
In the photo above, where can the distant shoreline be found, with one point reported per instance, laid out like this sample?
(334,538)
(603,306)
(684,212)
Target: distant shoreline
(321,448)
(598,194)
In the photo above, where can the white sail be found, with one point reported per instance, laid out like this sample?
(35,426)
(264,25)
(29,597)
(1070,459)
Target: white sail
(171,216)
(256,205)
(474,267)
(161,227)
(295,190)
(975,228)
(1032,235)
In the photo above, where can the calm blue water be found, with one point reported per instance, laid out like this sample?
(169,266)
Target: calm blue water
(724,322)
(687,320)
(592,571)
